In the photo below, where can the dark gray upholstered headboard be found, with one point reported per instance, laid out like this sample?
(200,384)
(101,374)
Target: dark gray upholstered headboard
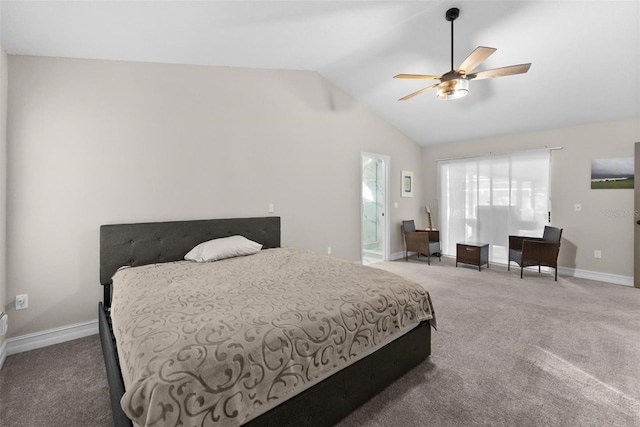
(154,242)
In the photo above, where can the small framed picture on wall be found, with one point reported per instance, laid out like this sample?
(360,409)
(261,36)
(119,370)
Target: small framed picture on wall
(407,184)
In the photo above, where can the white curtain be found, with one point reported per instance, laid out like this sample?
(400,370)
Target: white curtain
(485,199)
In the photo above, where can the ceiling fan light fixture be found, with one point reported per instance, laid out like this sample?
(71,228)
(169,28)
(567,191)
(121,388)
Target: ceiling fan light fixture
(453,89)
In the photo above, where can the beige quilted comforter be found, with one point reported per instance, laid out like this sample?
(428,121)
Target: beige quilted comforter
(217,344)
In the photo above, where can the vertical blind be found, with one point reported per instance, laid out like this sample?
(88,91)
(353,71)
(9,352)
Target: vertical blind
(485,199)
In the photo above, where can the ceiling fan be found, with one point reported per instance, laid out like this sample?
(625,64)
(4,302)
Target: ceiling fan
(454,84)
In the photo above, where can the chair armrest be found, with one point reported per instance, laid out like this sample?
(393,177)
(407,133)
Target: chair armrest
(516,242)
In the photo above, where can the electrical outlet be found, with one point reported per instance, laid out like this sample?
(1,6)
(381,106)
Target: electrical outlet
(597,254)
(22,301)
(577,207)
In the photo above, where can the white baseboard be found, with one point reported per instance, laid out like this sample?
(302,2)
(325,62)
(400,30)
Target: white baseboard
(616,279)
(3,353)
(49,337)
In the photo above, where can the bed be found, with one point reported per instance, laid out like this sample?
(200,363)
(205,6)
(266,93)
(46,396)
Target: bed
(157,250)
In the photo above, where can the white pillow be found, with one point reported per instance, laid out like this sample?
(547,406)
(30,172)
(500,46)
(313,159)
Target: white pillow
(226,247)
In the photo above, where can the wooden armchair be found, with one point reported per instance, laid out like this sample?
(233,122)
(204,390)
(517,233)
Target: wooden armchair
(532,251)
(425,242)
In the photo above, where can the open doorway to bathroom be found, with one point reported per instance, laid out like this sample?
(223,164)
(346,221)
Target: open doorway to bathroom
(374,218)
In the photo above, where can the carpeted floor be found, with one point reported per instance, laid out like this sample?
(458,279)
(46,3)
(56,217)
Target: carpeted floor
(508,352)
(60,385)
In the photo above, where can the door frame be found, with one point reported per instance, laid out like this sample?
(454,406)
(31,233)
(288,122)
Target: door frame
(386,167)
(636,219)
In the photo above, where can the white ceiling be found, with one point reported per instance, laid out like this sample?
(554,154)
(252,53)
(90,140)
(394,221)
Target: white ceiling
(585,55)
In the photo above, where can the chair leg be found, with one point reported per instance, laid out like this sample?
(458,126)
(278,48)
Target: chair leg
(509,265)
(521,268)
(406,256)
(556,273)
(428,259)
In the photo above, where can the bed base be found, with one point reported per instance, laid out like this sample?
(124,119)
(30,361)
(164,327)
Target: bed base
(114,377)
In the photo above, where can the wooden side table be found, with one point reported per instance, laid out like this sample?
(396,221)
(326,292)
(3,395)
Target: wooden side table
(473,253)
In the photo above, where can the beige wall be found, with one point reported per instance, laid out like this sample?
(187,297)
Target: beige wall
(96,142)
(606,220)
(3,178)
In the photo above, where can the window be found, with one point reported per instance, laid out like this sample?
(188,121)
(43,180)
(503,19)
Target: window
(485,199)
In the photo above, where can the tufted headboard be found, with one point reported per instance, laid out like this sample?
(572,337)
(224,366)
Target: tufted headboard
(153,242)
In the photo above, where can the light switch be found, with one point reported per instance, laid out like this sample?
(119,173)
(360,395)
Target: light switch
(270,207)
(577,207)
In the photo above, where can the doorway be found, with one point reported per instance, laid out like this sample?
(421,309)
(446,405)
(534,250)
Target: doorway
(374,220)
(636,219)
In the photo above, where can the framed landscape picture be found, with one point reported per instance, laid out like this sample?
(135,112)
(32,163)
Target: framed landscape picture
(612,173)
(407,184)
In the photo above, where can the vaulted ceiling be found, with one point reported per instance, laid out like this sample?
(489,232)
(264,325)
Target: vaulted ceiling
(585,55)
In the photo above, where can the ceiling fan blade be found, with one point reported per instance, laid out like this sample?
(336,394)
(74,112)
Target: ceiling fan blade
(475,58)
(416,76)
(500,72)
(411,95)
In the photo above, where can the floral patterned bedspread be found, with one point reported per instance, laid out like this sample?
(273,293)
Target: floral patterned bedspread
(217,344)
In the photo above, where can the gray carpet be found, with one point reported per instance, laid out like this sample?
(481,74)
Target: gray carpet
(508,352)
(60,385)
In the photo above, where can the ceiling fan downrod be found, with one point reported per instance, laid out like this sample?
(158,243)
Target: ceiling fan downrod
(451,15)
